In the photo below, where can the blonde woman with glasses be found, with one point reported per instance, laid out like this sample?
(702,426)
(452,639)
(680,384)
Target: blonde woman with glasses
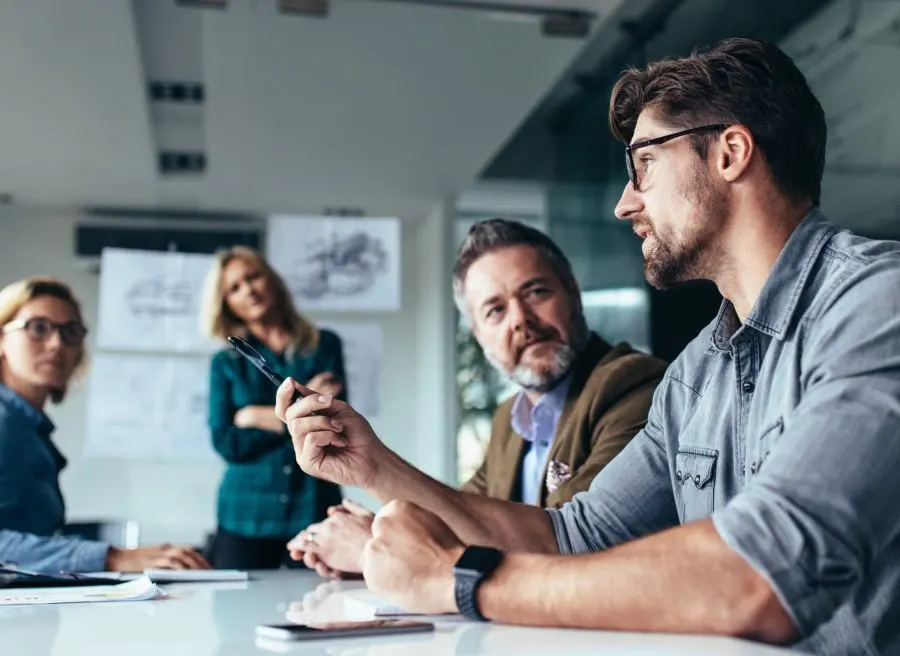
(42,349)
(265,499)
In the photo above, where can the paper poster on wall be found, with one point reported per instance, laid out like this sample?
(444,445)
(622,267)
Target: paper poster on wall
(150,301)
(363,344)
(337,263)
(148,407)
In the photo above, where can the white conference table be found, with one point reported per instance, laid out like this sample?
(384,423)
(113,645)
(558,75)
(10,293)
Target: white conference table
(219,619)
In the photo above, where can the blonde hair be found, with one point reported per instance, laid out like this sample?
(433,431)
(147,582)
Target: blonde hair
(218,321)
(17,295)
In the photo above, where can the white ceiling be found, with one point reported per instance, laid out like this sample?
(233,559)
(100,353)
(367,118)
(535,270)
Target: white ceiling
(381,106)
(850,53)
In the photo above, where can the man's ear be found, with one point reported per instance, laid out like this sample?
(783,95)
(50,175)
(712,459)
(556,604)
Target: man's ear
(736,149)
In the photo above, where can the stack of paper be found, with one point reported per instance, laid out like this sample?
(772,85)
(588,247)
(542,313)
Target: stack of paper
(140,589)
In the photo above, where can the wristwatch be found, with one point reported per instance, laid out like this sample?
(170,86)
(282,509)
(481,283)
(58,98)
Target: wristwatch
(473,567)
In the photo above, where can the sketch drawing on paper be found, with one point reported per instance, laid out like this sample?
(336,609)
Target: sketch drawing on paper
(155,298)
(340,265)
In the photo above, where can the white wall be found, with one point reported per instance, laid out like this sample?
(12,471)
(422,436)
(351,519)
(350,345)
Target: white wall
(176,501)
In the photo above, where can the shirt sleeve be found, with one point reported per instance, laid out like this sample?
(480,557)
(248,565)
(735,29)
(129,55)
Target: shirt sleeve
(52,555)
(234,444)
(817,519)
(631,497)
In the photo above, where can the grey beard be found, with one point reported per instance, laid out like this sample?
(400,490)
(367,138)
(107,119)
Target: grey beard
(563,359)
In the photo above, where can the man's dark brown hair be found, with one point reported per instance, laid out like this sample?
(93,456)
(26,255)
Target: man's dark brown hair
(743,81)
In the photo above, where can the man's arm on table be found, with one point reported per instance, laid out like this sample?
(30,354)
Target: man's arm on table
(474,518)
(685,579)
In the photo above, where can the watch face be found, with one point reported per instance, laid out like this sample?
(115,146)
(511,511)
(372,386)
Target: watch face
(478,560)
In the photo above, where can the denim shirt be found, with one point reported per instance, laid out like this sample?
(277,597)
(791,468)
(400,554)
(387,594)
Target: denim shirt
(32,509)
(785,431)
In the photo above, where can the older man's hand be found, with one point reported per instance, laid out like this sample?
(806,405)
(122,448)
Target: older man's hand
(334,547)
(410,559)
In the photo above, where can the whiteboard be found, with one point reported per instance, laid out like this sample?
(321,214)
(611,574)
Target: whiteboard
(363,344)
(148,407)
(337,263)
(150,301)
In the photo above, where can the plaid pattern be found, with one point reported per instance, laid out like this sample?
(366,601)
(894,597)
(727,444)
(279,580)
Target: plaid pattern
(263,492)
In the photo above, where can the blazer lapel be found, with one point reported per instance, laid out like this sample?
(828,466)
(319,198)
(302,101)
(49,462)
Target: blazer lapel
(505,480)
(564,451)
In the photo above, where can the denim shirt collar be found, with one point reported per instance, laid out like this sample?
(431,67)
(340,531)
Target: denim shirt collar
(777,303)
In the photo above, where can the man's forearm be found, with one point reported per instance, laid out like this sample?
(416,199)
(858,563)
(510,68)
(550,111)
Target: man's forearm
(686,580)
(475,519)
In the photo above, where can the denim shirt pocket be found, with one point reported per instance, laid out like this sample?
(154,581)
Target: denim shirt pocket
(695,478)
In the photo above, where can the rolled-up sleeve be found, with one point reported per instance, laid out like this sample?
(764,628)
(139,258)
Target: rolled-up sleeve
(631,497)
(824,507)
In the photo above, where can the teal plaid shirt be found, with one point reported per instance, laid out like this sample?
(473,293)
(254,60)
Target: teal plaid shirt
(264,494)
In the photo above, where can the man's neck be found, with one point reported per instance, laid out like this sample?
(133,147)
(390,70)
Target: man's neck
(749,249)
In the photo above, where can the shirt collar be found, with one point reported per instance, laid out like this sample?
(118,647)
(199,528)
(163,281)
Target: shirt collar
(777,303)
(38,419)
(523,412)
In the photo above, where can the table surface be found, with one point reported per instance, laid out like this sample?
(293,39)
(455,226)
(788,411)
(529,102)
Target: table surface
(219,619)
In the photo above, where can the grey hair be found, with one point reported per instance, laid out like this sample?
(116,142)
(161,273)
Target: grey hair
(496,234)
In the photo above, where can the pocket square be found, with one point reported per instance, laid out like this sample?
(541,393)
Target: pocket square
(557,474)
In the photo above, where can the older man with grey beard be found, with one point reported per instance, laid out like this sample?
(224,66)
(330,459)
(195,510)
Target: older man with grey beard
(580,402)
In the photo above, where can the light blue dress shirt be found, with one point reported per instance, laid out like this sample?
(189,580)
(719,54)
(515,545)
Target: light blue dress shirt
(537,424)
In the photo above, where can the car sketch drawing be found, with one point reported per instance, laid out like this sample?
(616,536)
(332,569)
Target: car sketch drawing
(156,298)
(340,266)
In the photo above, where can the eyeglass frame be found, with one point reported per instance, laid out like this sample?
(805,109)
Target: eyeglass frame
(22,324)
(655,141)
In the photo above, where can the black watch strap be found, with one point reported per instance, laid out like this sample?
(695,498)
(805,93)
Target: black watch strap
(474,566)
(466,589)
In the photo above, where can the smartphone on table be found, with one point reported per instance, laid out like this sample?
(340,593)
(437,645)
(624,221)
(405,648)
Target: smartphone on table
(327,630)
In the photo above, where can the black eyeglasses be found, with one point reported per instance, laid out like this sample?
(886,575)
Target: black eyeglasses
(629,150)
(72,333)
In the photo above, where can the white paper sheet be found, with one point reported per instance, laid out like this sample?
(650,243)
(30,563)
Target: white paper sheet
(337,263)
(363,344)
(150,301)
(148,407)
(140,589)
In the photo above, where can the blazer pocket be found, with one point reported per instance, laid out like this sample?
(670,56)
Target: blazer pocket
(695,481)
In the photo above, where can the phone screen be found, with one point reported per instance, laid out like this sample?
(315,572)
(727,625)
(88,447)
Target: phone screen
(341,629)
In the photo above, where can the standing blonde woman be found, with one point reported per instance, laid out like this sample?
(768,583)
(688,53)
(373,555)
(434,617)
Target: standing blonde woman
(264,497)
(41,348)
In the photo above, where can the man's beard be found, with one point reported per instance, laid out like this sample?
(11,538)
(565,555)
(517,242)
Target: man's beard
(672,261)
(562,359)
